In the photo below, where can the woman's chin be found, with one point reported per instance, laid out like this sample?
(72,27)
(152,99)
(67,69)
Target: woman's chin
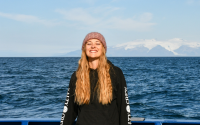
(93,57)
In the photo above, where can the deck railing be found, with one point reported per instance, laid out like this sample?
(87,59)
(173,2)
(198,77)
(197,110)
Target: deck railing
(51,121)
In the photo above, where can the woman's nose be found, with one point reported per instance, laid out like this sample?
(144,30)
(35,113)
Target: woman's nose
(93,46)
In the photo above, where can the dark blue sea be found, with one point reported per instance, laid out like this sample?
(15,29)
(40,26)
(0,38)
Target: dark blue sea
(158,87)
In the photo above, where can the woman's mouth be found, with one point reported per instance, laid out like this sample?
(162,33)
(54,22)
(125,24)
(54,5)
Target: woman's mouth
(93,51)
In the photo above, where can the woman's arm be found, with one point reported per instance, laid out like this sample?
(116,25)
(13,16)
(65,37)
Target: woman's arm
(123,101)
(70,110)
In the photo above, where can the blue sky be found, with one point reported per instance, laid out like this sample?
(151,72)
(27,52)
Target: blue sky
(48,27)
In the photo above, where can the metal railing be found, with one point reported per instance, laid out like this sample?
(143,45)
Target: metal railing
(56,121)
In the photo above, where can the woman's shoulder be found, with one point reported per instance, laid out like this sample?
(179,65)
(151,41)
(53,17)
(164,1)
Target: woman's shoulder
(73,74)
(73,79)
(114,68)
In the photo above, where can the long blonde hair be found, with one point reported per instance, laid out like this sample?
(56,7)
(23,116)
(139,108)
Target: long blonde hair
(104,86)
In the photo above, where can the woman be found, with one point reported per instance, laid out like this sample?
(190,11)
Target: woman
(97,91)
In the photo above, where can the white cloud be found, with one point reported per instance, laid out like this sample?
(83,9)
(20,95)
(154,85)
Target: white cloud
(193,2)
(103,11)
(190,2)
(103,17)
(127,24)
(27,19)
(170,45)
(95,18)
(89,1)
(115,0)
(78,14)
(146,17)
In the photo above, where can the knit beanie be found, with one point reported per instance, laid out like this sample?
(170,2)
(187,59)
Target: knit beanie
(95,35)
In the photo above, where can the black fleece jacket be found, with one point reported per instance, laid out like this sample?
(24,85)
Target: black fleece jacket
(94,113)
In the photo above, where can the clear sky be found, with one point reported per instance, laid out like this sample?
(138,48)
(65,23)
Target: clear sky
(51,27)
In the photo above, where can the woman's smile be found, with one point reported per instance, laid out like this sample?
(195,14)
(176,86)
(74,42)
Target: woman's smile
(93,51)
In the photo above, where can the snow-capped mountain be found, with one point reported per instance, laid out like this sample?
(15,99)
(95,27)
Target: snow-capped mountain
(151,47)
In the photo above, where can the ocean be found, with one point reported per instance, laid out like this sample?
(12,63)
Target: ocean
(158,87)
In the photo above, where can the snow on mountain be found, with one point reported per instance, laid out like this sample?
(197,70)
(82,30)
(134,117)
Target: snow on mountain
(150,47)
(170,45)
(188,50)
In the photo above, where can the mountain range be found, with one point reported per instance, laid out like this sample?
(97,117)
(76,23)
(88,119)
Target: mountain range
(150,48)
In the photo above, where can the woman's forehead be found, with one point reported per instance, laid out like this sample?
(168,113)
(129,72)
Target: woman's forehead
(93,40)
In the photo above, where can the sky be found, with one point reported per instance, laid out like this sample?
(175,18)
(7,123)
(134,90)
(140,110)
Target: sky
(42,28)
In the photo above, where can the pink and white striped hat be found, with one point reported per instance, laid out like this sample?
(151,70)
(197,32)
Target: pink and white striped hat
(95,35)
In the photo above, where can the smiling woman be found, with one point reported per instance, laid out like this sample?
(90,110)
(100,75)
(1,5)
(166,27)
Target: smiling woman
(97,91)
(93,49)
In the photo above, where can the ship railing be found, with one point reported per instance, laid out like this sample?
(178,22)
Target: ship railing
(56,121)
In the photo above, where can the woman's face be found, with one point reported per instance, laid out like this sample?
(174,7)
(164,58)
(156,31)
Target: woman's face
(93,48)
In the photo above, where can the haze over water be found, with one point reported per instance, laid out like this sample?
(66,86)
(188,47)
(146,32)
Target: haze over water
(158,87)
